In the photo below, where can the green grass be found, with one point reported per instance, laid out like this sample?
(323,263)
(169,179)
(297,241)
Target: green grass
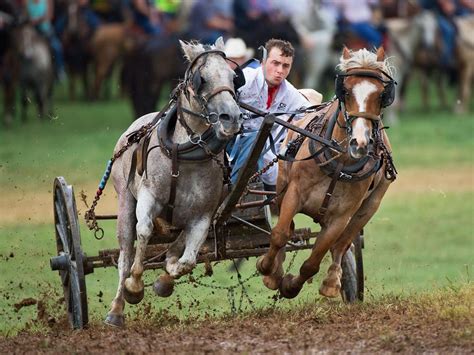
(416,242)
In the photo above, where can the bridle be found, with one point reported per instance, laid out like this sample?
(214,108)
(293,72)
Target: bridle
(386,97)
(191,86)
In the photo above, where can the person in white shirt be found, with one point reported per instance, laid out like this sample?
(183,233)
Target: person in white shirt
(266,89)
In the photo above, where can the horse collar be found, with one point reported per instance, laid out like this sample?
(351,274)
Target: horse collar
(360,170)
(203,149)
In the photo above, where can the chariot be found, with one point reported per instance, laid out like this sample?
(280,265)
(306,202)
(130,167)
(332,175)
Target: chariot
(241,228)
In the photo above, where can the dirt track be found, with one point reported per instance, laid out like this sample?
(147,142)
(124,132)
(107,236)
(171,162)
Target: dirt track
(441,323)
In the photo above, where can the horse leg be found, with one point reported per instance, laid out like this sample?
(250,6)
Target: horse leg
(164,285)
(424,90)
(72,84)
(8,101)
(292,285)
(126,222)
(193,237)
(24,104)
(441,90)
(270,264)
(195,234)
(145,212)
(41,93)
(85,83)
(331,285)
(466,82)
(103,66)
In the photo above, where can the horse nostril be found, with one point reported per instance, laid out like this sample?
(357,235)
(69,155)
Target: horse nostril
(224,117)
(371,142)
(353,142)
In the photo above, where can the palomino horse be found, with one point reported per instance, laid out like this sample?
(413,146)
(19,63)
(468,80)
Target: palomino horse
(183,195)
(341,192)
(108,44)
(35,68)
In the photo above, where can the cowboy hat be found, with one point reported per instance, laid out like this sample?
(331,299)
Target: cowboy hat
(236,48)
(314,97)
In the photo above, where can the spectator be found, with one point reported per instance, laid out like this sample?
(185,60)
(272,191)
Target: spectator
(40,14)
(210,19)
(109,11)
(146,17)
(363,18)
(445,11)
(85,11)
(267,89)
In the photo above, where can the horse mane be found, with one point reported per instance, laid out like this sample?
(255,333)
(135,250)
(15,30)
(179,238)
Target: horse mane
(364,58)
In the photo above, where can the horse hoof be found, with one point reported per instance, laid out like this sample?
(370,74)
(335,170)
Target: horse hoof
(329,291)
(164,286)
(272,282)
(261,267)
(287,289)
(133,297)
(115,320)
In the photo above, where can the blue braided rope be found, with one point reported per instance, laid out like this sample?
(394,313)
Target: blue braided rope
(106,175)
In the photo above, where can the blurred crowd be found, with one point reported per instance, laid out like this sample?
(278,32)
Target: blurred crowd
(308,24)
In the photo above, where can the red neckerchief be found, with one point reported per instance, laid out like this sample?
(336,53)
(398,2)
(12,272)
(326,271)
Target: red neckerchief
(271,95)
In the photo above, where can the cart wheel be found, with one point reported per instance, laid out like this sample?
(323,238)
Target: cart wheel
(353,273)
(70,259)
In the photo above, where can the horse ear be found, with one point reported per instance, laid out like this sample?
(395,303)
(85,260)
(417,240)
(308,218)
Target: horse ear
(220,44)
(188,50)
(380,54)
(346,54)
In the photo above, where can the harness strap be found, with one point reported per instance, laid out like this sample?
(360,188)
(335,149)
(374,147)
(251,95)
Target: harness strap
(327,198)
(365,115)
(218,90)
(140,155)
(174,182)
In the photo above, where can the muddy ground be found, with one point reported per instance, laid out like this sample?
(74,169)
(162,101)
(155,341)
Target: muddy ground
(436,323)
(440,323)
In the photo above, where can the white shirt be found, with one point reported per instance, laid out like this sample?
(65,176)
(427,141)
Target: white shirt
(255,93)
(287,99)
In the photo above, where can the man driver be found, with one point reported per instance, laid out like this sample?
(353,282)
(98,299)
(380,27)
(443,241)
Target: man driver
(266,89)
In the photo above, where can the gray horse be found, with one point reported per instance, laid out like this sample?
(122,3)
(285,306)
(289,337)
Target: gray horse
(36,71)
(208,116)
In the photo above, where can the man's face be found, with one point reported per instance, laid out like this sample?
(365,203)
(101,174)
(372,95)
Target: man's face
(277,67)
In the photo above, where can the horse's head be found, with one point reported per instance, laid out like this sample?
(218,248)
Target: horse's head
(364,87)
(210,87)
(76,24)
(24,36)
(427,26)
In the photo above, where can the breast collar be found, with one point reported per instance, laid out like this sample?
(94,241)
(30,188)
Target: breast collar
(189,151)
(357,171)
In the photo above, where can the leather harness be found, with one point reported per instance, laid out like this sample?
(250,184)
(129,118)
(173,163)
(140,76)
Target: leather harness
(201,150)
(323,125)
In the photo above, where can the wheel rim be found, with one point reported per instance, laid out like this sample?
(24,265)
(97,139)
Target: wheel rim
(68,243)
